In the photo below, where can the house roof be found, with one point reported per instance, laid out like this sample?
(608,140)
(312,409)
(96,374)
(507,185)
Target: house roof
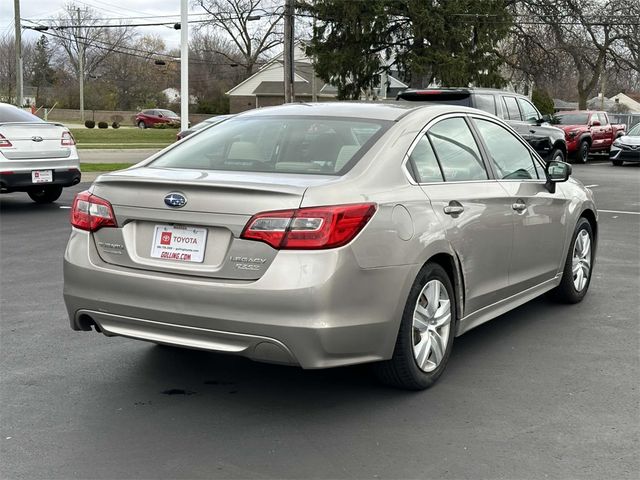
(269,79)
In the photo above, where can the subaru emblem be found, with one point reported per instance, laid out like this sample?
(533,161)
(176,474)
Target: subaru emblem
(175,200)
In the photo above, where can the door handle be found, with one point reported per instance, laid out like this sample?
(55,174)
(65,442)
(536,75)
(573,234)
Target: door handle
(519,206)
(453,209)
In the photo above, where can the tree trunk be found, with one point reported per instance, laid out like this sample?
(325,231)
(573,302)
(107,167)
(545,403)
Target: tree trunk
(583,96)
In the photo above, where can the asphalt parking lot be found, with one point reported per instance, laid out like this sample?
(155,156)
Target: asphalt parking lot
(545,391)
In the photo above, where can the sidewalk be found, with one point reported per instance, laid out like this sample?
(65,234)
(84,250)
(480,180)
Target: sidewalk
(109,155)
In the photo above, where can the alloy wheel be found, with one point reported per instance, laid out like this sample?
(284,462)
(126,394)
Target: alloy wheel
(581,260)
(431,325)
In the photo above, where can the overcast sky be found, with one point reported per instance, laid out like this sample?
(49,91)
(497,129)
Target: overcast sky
(46,9)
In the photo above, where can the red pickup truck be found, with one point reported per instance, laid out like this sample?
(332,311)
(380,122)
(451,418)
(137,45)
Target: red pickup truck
(587,131)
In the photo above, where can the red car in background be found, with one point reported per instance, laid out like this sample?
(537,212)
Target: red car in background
(588,131)
(152,117)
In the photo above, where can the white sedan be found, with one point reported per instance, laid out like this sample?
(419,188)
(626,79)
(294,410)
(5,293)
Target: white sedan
(36,157)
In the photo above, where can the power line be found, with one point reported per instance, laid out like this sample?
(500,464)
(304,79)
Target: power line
(146,55)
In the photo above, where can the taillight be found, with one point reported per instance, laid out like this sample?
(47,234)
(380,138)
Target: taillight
(4,142)
(67,139)
(91,213)
(309,228)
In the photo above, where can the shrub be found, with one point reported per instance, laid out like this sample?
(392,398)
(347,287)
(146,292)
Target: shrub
(115,125)
(89,124)
(543,101)
(103,125)
(161,126)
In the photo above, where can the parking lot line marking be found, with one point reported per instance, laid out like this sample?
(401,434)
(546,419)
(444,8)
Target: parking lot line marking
(64,206)
(592,186)
(619,211)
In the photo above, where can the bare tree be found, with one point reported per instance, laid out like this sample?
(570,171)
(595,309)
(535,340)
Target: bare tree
(253,26)
(79,34)
(591,36)
(8,65)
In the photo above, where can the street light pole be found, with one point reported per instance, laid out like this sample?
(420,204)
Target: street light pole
(18,35)
(184,65)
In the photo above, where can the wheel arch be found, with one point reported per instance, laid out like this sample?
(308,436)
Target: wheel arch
(591,218)
(562,146)
(587,137)
(451,265)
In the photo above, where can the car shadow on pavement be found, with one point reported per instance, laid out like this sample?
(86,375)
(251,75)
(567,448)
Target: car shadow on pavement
(183,372)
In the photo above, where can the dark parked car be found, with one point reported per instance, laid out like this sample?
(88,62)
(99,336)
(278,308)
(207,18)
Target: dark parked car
(199,126)
(626,148)
(150,118)
(516,110)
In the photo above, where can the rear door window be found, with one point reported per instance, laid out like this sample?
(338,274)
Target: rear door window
(512,108)
(510,158)
(485,102)
(457,150)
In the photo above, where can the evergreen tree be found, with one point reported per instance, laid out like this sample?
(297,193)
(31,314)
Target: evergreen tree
(453,43)
(41,72)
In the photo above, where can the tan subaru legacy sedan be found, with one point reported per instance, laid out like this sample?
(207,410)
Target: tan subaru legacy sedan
(322,235)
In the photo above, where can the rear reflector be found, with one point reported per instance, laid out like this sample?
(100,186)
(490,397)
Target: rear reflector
(309,228)
(67,139)
(91,213)
(4,142)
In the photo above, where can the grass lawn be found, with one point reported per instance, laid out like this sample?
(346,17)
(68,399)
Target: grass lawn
(103,167)
(123,137)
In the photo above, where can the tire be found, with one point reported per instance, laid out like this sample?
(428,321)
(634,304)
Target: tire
(582,155)
(46,194)
(403,370)
(570,289)
(141,125)
(557,155)
(617,163)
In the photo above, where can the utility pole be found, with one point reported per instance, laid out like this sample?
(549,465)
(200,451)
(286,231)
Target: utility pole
(314,87)
(81,48)
(289,66)
(184,64)
(18,35)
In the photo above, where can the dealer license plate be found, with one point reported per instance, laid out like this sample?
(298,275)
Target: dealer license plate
(179,243)
(42,176)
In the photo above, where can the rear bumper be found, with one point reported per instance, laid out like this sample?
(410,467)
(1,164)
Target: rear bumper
(21,181)
(313,309)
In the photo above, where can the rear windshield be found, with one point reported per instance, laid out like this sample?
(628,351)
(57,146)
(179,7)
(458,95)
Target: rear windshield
(313,145)
(13,114)
(572,119)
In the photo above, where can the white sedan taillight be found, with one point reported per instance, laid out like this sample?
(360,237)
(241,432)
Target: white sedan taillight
(309,228)
(67,139)
(91,213)
(4,142)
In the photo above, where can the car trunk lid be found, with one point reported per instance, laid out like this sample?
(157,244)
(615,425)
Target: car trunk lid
(206,228)
(34,140)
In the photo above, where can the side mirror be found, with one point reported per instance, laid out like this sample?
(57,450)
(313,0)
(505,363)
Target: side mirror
(556,172)
(160,115)
(595,123)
